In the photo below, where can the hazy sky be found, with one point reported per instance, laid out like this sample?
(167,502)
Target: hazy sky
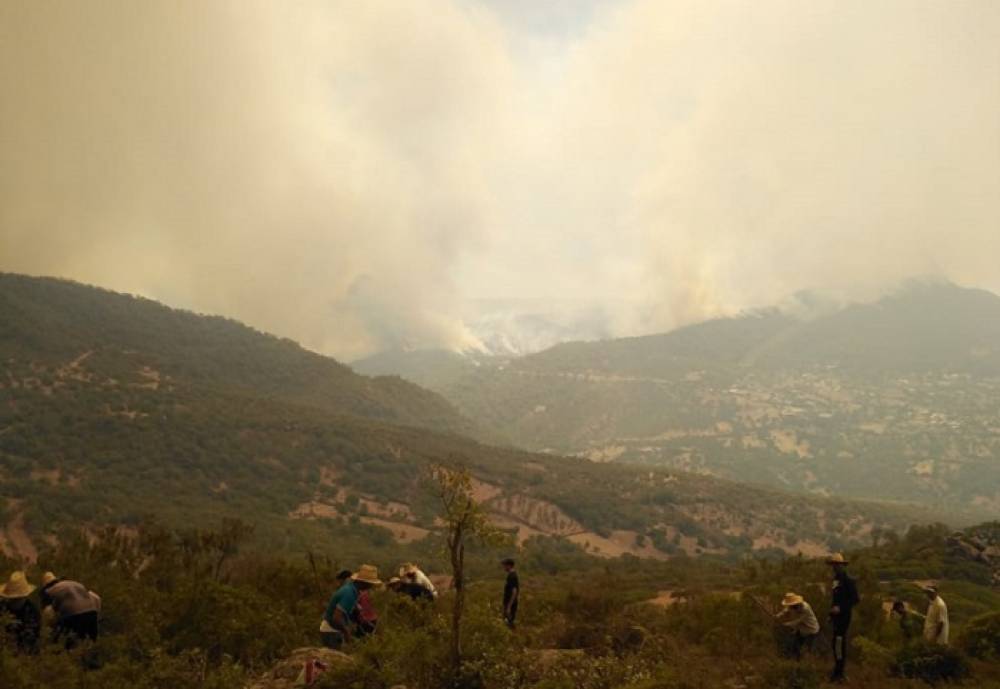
(349,173)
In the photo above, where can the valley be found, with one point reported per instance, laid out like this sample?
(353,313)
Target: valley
(895,401)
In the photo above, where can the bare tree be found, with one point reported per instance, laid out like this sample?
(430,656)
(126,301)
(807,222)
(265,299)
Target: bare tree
(464,519)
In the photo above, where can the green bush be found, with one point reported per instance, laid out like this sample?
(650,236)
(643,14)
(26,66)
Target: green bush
(791,675)
(981,637)
(931,662)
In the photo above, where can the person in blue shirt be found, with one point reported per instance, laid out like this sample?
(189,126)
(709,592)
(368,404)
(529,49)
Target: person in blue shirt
(340,611)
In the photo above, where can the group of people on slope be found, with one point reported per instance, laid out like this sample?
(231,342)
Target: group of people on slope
(798,615)
(350,613)
(933,626)
(72,608)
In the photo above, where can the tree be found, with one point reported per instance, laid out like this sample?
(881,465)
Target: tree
(464,519)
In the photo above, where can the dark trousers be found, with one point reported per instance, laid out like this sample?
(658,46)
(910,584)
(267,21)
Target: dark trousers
(803,641)
(510,616)
(77,627)
(839,645)
(333,640)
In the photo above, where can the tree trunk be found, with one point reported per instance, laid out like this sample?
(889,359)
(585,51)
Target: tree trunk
(458,577)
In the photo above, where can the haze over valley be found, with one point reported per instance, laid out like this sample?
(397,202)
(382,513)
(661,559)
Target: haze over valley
(894,399)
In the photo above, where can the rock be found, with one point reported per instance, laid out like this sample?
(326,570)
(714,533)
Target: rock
(287,673)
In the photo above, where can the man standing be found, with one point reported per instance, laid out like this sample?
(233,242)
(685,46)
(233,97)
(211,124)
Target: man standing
(845,597)
(936,622)
(75,606)
(798,616)
(511,592)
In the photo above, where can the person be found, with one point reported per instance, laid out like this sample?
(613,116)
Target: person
(936,621)
(410,573)
(340,611)
(798,616)
(845,597)
(911,623)
(26,621)
(365,615)
(329,636)
(511,592)
(75,606)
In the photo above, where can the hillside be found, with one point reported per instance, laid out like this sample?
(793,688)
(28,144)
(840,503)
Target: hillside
(114,409)
(212,611)
(923,326)
(60,325)
(890,400)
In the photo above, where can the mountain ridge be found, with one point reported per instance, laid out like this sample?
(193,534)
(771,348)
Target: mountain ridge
(94,433)
(890,399)
(212,349)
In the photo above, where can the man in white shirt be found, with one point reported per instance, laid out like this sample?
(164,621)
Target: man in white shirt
(798,616)
(410,572)
(936,623)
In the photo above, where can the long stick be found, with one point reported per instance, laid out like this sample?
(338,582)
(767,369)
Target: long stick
(760,604)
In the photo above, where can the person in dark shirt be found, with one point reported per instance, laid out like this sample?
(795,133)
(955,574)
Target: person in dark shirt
(26,623)
(511,593)
(845,597)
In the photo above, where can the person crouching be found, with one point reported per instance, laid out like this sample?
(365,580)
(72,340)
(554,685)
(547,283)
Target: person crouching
(798,616)
(342,610)
(75,606)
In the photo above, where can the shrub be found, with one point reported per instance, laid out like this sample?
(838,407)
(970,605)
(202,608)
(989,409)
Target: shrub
(791,675)
(871,652)
(981,638)
(931,663)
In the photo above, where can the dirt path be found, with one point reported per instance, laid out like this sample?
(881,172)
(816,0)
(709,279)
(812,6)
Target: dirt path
(15,541)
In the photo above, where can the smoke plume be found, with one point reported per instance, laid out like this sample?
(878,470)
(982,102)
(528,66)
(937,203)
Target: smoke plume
(350,174)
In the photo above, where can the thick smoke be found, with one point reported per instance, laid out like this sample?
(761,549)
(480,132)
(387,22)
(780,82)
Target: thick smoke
(716,156)
(347,173)
(312,168)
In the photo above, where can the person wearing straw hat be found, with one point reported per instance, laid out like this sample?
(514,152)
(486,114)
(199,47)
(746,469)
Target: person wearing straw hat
(798,616)
(845,597)
(76,608)
(409,572)
(936,621)
(26,624)
(341,610)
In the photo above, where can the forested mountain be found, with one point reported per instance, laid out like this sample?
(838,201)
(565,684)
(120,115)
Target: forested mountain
(114,409)
(56,323)
(925,326)
(895,399)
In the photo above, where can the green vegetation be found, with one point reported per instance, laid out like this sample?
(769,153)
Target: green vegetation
(49,323)
(201,608)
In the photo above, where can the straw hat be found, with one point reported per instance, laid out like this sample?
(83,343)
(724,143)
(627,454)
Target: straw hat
(368,574)
(17,586)
(791,599)
(837,559)
(928,588)
(48,578)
